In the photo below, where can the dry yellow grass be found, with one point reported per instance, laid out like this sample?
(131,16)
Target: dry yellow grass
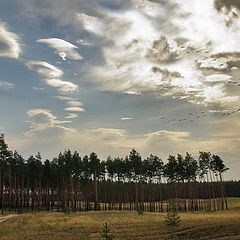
(124,225)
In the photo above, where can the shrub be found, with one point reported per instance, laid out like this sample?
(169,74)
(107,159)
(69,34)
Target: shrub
(105,232)
(66,210)
(172,218)
(140,211)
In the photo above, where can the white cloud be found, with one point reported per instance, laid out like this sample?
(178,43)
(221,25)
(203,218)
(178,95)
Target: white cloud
(92,24)
(146,34)
(112,137)
(218,78)
(64,48)
(171,135)
(83,42)
(132,93)
(65,98)
(45,69)
(183,49)
(71,116)
(63,86)
(6,85)
(216,94)
(152,9)
(42,120)
(74,103)
(126,118)
(37,88)
(194,28)
(218,64)
(75,109)
(9,43)
(193,32)
(138,47)
(52,75)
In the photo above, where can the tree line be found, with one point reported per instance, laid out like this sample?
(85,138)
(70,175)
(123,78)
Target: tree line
(130,183)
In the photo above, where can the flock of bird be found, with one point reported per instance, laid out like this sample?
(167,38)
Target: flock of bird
(234,82)
(191,117)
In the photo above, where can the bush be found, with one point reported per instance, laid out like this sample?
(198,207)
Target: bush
(140,211)
(172,218)
(105,232)
(66,210)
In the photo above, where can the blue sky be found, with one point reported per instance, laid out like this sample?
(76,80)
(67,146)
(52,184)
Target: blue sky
(161,76)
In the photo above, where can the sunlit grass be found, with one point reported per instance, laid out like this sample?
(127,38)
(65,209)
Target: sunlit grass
(124,225)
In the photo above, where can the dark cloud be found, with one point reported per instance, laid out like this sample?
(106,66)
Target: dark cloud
(227,4)
(166,73)
(181,40)
(231,8)
(235,64)
(4,46)
(161,51)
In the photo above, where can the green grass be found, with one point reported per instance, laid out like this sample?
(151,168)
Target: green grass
(124,225)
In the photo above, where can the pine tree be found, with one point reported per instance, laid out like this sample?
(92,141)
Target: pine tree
(105,232)
(172,218)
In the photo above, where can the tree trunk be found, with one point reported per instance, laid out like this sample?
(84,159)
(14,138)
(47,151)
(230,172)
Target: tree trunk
(222,192)
(96,190)
(136,197)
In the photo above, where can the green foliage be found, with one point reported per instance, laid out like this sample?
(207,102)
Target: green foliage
(217,165)
(140,211)
(172,218)
(105,232)
(66,210)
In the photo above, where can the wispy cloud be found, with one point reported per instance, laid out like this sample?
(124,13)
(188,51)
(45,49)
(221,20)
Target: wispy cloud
(43,120)
(74,103)
(63,86)
(75,109)
(180,62)
(83,42)
(9,43)
(38,88)
(65,98)
(66,50)
(45,69)
(126,118)
(92,24)
(71,116)
(214,78)
(6,85)
(52,76)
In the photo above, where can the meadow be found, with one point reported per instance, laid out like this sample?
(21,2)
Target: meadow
(124,225)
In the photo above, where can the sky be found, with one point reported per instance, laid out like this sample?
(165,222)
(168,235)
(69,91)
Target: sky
(160,76)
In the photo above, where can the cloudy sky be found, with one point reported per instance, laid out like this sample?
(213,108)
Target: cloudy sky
(161,76)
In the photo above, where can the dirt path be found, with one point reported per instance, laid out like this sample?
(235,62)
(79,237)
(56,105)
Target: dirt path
(3,218)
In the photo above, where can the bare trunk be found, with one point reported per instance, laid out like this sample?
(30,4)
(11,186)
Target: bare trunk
(136,191)
(96,190)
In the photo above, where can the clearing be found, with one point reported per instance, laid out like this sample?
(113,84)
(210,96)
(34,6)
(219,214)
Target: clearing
(124,225)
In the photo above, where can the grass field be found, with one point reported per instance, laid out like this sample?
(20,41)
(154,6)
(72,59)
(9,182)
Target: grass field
(123,225)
